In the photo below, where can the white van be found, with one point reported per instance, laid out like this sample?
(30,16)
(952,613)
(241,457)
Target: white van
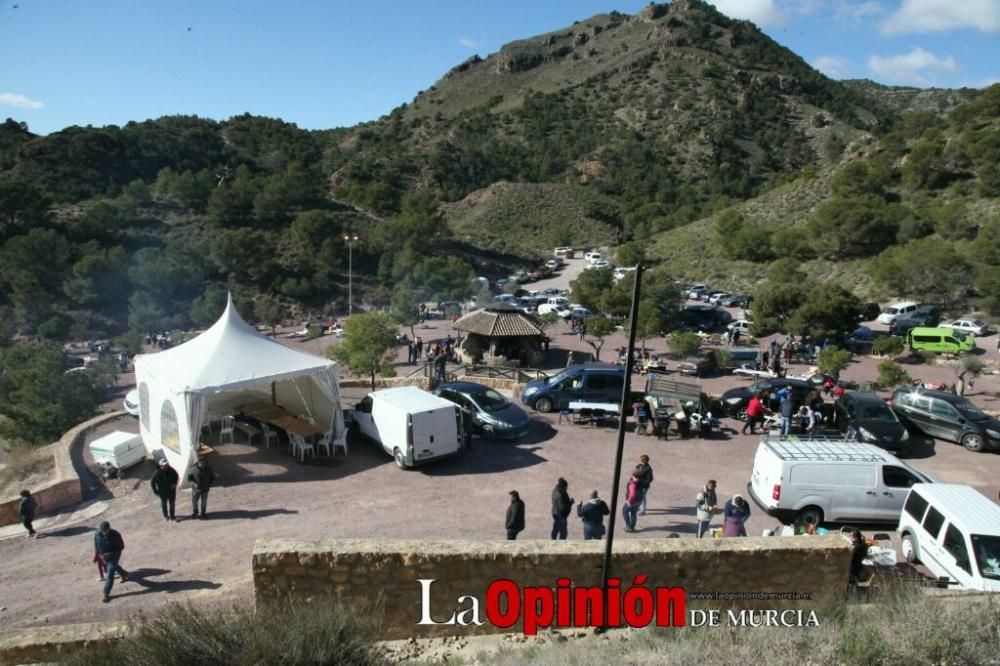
(895,310)
(412,425)
(120,449)
(557,304)
(593,257)
(830,480)
(954,531)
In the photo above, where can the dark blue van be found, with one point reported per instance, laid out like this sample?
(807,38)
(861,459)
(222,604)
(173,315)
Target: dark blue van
(590,382)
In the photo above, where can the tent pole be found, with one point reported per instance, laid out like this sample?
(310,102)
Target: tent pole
(274,395)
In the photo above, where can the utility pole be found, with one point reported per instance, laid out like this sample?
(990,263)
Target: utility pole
(350,239)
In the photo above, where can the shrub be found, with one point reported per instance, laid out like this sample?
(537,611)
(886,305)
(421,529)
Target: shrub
(296,634)
(833,359)
(684,343)
(891,374)
(891,345)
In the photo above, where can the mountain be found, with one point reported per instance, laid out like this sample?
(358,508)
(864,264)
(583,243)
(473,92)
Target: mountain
(656,130)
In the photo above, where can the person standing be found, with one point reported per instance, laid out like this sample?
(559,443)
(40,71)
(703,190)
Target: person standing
(419,350)
(706,504)
(109,545)
(201,477)
(755,414)
(26,511)
(440,365)
(562,504)
(515,516)
(859,551)
(164,485)
(633,499)
(645,472)
(592,513)
(737,513)
(787,410)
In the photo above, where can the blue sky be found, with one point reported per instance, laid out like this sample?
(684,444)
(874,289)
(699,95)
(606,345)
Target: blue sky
(340,62)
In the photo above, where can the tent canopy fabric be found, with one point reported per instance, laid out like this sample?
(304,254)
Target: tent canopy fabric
(177,386)
(230,354)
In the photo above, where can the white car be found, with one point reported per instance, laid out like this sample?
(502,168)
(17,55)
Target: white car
(620,273)
(561,251)
(553,264)
(592,256)
(579,312)
(896,310)
(600,263)
(976,327)
(741,325)
(131,403)
(716,297)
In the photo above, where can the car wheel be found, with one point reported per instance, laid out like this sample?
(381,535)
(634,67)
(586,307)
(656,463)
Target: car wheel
(908,546)
(974,442)
(544,405)
(813,512)
(397,455)
(741,414)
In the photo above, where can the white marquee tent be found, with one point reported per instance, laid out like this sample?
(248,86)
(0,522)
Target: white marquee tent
(228,365)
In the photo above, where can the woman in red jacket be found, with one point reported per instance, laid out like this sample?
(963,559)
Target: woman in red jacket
(755,413)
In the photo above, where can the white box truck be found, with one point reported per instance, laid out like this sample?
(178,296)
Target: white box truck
(412,425)
(798,480)
(120,449)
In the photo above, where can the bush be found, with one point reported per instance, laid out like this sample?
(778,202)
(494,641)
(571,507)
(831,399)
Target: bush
(833,359)
(683,343)
(297,634)
(891,345)
(891,375)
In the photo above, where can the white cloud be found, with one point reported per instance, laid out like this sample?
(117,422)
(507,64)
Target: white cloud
(857,11)
(765,13)
(833,66)
(916,67)
(19,101)
(941,15)
(468,42)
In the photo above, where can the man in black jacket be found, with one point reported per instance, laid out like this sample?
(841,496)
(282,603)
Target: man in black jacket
(645,472)
(562,504)
(515,515)
(164,484)
(592,513)
(108,544)
(201,478)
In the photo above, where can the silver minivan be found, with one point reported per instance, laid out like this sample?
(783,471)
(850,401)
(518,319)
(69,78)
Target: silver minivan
(825,480)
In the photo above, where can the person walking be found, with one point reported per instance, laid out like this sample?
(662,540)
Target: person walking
(201,477)
(645,472)
(755,414)
(440,365)
(562,504)
(26,511)
(737,512)
(592,513)
(633,499)
(164,485)
(515,516)
(109,545)
(706,504)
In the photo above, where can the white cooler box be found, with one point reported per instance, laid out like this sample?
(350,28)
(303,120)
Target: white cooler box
(121,449)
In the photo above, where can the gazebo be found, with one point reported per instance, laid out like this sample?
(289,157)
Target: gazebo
(501,335)
(229,365)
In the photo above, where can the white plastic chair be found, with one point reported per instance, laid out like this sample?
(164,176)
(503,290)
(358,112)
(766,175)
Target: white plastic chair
(340,443)
(268,435)
(228,428)
(324,443)
(302,447)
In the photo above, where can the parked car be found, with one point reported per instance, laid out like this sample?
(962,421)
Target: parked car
(486,412)
(741,325)
(704,317)
(734,301)
(954,531)
(592,256)
(578,312)
(735,400)
(592,382)
(947,416)
(541,273)
(599,263)
(868,418)
(695,290)
(563,252)
(900,309)
(925,315)
(410,424)
(716,297)
(553,264)
(830,480)
(620,273)
(131,403)
(976,327)
(939,340)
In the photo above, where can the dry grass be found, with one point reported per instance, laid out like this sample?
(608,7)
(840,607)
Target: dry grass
(26,467)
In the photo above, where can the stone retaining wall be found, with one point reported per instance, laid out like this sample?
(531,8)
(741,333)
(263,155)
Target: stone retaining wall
(54,643)
(510,386)
(357,571)
(64,487)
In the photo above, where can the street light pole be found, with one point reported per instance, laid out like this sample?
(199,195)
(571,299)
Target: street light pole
(351,239)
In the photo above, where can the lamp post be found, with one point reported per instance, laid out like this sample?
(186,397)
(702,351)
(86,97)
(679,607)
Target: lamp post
(350,239)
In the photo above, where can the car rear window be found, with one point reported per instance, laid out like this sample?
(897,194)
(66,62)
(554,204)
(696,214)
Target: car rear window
(915,505)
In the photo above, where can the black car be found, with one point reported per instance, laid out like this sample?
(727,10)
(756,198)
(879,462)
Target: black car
(735,400)
(947,416)
(925,315)
(869,419)
(704,317)
(486,412)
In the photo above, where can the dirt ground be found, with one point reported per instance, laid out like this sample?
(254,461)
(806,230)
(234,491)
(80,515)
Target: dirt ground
(266,493)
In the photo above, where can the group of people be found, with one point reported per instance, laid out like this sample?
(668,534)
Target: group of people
(809,414)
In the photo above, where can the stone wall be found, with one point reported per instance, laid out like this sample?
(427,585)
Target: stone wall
(64,487)
(357,571)
(509,386)
(54,643)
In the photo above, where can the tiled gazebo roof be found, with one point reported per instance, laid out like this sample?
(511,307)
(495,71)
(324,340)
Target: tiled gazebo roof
(499,321)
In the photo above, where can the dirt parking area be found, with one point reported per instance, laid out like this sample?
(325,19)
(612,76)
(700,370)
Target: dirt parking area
(265,493)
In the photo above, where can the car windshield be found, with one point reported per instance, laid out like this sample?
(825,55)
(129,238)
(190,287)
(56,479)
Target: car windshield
(490,401)
(555,379)
(987,550)
(876,412)
(970,411)
(978,322)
